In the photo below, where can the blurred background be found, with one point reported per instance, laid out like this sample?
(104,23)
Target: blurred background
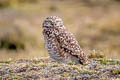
(95,24)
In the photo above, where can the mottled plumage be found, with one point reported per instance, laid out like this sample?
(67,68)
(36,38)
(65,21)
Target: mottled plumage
(61,44)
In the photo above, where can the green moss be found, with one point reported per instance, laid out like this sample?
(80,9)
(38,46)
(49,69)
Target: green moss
(71,63)
(76,67)
(74,75)
(15,78)
(68,70)
(54,64)
(36,61)
(109,62)
(116,72)
(11,71)
(103,61)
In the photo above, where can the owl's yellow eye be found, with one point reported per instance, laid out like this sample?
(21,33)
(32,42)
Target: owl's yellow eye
(57,21)
(49,21)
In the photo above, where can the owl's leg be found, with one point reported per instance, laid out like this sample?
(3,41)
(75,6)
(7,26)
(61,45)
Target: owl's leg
(80,62)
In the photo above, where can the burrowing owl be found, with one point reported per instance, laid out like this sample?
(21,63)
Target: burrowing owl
(61,44)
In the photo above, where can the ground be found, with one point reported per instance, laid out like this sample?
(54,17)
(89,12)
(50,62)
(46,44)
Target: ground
(45,69)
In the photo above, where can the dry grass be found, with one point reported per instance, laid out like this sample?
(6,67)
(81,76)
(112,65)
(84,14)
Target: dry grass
(96,25)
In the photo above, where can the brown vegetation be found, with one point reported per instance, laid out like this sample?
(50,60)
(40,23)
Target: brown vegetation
(96,25)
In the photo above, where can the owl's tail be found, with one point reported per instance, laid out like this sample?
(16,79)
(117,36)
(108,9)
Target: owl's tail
(83,59)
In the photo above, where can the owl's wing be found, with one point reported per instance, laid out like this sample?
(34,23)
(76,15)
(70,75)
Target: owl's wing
(69,44)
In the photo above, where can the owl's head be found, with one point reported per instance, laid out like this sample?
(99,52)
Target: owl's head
(53,21)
